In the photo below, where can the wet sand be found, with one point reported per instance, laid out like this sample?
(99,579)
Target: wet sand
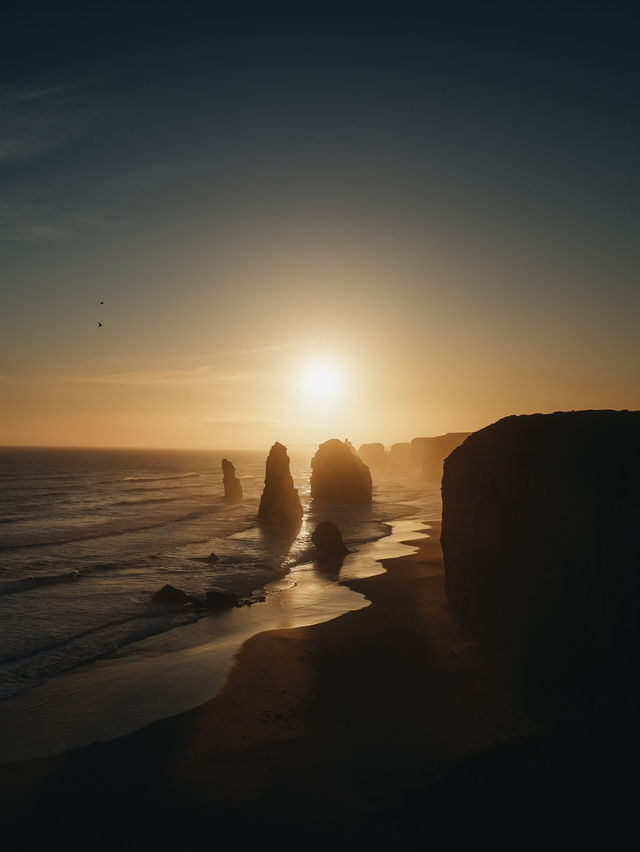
(386,727)
(172,672)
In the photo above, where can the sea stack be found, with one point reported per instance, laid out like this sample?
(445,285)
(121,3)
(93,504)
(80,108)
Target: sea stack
(327,539)
(339,474)
(541,548)
(232,487)
(280,502)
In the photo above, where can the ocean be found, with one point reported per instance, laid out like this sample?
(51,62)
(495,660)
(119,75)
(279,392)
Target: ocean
(87,536)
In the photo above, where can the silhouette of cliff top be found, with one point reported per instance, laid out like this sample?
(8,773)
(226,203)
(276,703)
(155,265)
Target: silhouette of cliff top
(573,433)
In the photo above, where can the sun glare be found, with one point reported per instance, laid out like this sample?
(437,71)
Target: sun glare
(321,382)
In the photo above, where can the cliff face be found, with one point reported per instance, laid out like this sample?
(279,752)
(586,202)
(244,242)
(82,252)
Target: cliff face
(434,452)
(338,474)
(424,456)
(540,541)
(374,455)
(232,487)
(280,502)
(399,456)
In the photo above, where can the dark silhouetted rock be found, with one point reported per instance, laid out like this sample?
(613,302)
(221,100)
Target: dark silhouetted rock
(169,594)
(374,455)
(541,547)
(218,599)
(399,456)
(232,487)
(328,541)
(280,502)
(338,474)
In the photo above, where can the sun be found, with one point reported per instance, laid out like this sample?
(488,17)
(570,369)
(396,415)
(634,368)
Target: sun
(321,382)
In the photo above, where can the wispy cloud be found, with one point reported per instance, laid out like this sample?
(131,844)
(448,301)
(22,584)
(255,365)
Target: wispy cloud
(27,95)
(238,423)
(258,350)
(23,221)
(197,376)
(36,120)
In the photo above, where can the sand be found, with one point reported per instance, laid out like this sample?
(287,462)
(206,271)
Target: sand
(386,727)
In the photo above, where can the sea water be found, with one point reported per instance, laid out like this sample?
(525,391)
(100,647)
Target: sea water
(87,536)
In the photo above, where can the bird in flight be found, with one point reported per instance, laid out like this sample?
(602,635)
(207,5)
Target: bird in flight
(102,303)
(99,325)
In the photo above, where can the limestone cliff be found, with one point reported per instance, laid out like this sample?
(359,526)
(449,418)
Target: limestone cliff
(541,548)
(433,452)
(374,455)
(399,456)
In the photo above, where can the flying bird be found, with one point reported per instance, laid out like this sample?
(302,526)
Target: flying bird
(99,325)
(102,303)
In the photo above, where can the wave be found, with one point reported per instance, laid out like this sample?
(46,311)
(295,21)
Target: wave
(156,488)
(107,638)
(107,533)
(27,583)
(161,478)
(144,501)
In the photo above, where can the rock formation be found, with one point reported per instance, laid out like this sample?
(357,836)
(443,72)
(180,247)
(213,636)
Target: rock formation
(399,456)
(431,453)
(218,599)
(374,455)
(328,541)
(338,474)
(232,487)
(169,594)
(541,547)
(280,502)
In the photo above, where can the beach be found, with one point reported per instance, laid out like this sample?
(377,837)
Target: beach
(333,730)
(387,727)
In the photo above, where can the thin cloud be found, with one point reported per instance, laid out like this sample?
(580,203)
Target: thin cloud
(21,96)
(259,350)
(34,223)
(198,376)
(37,120)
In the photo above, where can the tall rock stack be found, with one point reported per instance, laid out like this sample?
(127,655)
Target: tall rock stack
(232,487)
(337,473)
(280,502)
(541,547)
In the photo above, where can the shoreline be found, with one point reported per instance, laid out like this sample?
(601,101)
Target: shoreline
(323,729)
(173,672)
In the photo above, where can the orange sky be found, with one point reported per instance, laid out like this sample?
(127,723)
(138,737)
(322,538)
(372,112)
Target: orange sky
(423,356)
(439,206)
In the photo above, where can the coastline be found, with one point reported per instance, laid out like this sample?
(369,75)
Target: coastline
(170,673)
(319,730)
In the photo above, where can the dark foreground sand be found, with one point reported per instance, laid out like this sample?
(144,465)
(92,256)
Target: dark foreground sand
(386,728)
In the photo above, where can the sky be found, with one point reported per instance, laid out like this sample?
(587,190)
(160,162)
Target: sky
(314,220)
